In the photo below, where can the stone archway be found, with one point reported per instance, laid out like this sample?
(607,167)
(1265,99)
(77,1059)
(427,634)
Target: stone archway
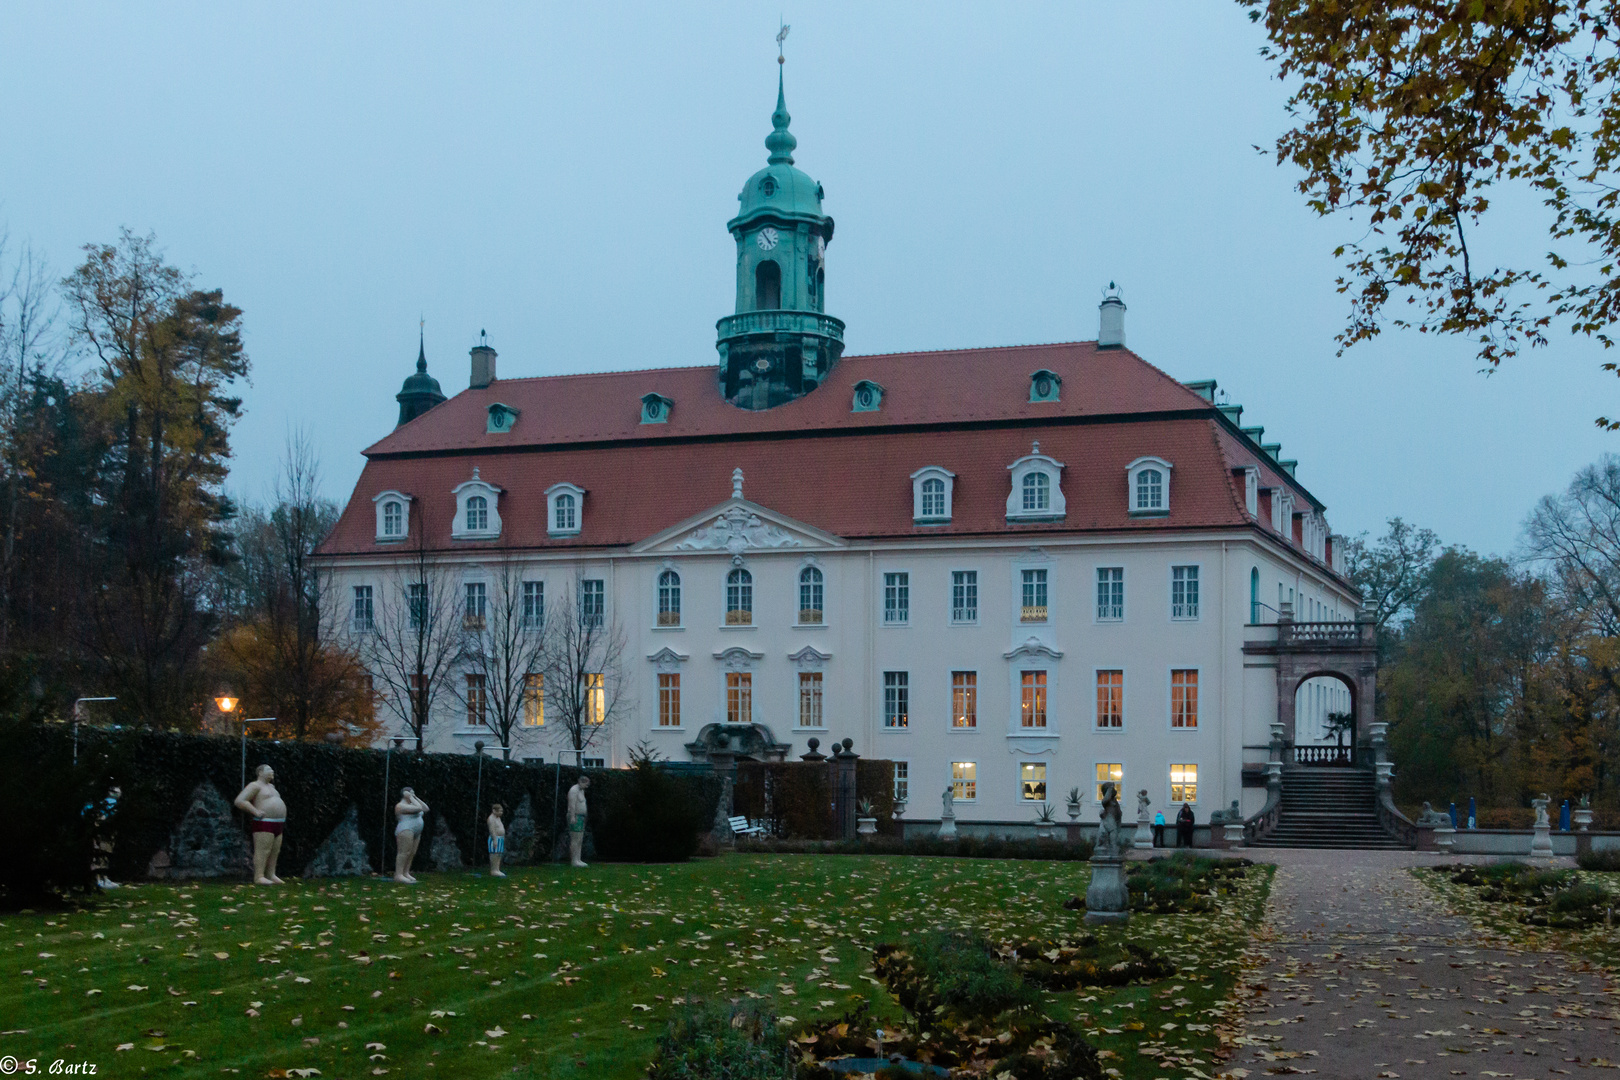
(1347,651)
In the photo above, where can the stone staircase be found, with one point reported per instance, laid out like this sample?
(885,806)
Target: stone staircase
(1329,808)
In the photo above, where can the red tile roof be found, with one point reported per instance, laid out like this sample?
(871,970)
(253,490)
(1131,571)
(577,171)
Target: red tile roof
(813,459)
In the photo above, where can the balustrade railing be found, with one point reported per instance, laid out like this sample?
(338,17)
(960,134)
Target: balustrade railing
(794,322)
(1322,755)
(1347,633)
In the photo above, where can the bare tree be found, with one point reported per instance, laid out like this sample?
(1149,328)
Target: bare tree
(1393,571)
(584,669)
(504,652)
(413,644)
(1576,536)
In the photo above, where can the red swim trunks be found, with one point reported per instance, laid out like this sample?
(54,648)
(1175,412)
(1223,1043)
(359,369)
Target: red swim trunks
(273,826)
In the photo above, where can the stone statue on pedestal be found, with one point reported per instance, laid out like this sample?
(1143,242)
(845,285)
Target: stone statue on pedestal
(1541,842)
(1108,899)
(947,816)
(1108,830)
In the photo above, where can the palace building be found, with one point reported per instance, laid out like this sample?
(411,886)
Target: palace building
(1013,571)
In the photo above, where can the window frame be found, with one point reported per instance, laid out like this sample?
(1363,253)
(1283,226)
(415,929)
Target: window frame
(1197,569)
(553,494)
(1024,783)
(383,501)
(477,698)
(900,582)
(902,780)
(964,687)
(534,699)
(813,683)
(965,788)
(1171,785)
(464,493)
(817,585)
(1033,594)
(1096,701)
(668,686)
(368,622)
(969,583)
(1057,504)
(1197,681)
(738,597)
(1098,781)
(1098,615)
(1133,473)
(667,598)
(739,689)
(474,604)
(896,703)
(534,605)
(1034,701)
(919,498)
(587,617)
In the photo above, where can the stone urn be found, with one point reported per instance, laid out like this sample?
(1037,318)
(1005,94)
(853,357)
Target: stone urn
(899,809)
(1583,814)
(866,818)
(1073,806)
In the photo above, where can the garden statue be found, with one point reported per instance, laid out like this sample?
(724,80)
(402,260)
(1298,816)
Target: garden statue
(1108,898)
(407,833)
(576,820)
(1541,841)
(497,840)
(1144,835)
(267,817)
(947,817)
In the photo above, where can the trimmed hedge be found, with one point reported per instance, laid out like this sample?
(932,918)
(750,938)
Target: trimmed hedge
(159,771)
(966,847)
(48,818)
(795,798)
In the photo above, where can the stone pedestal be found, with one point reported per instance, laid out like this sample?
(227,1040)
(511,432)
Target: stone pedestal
(947,827)
(1541,843)
(1108,900)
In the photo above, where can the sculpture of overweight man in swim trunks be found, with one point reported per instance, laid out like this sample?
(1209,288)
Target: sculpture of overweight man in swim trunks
(576,820)
(407,833)
(267,816)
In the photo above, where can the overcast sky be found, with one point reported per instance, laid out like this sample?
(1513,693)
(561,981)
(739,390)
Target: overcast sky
(561,175)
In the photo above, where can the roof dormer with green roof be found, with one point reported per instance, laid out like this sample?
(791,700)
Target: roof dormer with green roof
(779,344)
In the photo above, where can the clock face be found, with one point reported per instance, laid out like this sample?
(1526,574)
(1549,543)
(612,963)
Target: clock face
(767,238)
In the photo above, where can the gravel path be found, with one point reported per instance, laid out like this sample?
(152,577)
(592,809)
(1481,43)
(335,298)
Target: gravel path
(1363,975)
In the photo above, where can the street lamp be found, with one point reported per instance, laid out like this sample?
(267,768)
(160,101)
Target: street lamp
(78,702)
(228,705)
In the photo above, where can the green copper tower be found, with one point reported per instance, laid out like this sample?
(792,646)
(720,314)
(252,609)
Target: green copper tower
(779,345)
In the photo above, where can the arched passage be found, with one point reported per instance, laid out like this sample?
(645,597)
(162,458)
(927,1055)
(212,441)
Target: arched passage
(767,285)
(1318,655)
(1324,709)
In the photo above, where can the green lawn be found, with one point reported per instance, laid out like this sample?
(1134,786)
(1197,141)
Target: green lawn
(1600,943)
(552,972)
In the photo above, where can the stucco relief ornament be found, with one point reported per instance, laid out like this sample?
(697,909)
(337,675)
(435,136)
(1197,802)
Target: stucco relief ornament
(736,530)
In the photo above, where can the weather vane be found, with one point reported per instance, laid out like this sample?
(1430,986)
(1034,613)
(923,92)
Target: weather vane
(781,36)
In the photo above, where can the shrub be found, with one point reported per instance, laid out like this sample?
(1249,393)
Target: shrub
(651,818)
(1182,884)
(953,974)
(711,1042)
(47,831)
(966,848)
(1600,860)
(1070,962)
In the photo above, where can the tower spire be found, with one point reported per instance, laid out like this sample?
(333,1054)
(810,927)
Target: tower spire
(780,142)
(421,346)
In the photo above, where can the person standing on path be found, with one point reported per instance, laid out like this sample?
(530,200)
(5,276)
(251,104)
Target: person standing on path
(497,839)
(1158,829)
(576,820)
(1184,826)
(267,817)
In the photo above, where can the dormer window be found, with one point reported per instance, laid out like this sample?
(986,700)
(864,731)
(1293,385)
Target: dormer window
(1251,490)
(478,515)
(565,509)
(1147,482)
(393,515)
(655,408)
(501,419)
(868,396)
(1045,386)
(931,495)
(1037,489)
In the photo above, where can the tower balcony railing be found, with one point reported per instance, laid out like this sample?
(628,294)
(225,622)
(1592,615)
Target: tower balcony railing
(780,321)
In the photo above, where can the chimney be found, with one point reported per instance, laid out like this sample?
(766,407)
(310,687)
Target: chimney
(483,363)
(1111,326)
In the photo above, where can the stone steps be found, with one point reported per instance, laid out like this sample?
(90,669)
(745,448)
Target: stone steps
(1329,808)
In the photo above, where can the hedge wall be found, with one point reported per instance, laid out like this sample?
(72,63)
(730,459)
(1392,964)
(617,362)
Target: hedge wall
(794,798)
(158,772)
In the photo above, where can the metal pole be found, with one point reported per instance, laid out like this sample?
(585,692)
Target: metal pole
(382,846)
(78,704)
(478,789)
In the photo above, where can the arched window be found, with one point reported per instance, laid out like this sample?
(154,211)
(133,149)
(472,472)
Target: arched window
(1150,490)
(739,598)
(564,514)
(393,518)
(1037,492)
(669,598)
(767,285)
(810,596)
(1254,595)
(933,498)
(477,513)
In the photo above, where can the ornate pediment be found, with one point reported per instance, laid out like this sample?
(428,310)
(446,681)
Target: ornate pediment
(667,659)
(1033,647)
(738,658)
(736,528)
(809,658)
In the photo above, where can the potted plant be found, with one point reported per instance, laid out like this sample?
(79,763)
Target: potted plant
(866,818)
(1045,820)
(1583,814)
(1074,804)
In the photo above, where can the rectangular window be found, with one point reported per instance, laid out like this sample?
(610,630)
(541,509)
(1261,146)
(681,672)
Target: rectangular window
(669,700)
(593,763)
(393,519)
(595,698)
(1032,706)
(1034,606)
(473,615)
(739,697)
(810,699)
(1110,699)
(896,699)
(1184,592)
(363,615)
(1184,698)
(1110,772)
(592,601)
(1183,783)
(1032,781)
(416,600)
(964,699)
(896,599)
(669,598)
(534,699)
(1110,593)
(964,780)
(812,591)
(964,596)
(534,605)
(476,700)
(902,781)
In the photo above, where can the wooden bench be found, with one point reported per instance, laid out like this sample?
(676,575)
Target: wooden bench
(740,827)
